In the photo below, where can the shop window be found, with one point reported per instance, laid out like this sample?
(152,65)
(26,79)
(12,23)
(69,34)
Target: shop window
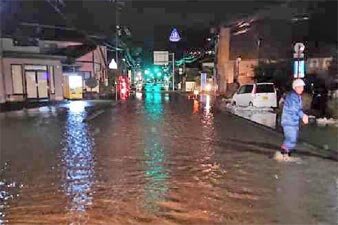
(17,79)
(86,75)
(314,63)
(327,63)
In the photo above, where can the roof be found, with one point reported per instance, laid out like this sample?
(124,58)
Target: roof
(11,54)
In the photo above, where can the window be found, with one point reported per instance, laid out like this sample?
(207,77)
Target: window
(248,89)
(86,75)
(51,79)
(17,79)
(327,63)
(241,90)
(314,63)
(265,88)
(35,67)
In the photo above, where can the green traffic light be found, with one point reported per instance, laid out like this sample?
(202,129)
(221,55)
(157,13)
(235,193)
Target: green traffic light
(156,69)
(146,72)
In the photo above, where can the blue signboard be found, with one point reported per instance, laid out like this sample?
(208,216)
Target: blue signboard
(174,36)
(299,69)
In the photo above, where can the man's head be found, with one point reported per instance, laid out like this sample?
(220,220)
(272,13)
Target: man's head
(298,86)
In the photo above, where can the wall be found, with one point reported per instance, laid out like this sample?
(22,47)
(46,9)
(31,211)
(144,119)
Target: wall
(8,78)
(94,63)
(246,72)
(8,45)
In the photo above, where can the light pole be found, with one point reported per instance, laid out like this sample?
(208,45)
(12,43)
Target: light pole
(116,44)
(238,60)
(173,59)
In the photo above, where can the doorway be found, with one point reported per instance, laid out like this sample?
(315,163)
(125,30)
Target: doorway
(36,84)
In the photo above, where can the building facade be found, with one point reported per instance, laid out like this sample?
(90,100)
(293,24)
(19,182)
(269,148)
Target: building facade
(36,73)
(29,74)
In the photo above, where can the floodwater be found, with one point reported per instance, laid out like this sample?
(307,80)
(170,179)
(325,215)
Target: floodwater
(155,159)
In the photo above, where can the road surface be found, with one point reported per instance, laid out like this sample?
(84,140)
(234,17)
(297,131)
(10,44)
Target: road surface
(155,159)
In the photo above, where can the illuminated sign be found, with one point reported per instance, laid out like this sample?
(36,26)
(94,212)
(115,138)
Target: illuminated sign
(299,69)
(174,36)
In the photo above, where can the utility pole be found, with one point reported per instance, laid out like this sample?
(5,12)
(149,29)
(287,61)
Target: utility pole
(173,59)
(116,45)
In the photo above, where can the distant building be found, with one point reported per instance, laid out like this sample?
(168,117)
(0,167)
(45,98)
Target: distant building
(93,64)
(318,65)
(34,72)
(241,46)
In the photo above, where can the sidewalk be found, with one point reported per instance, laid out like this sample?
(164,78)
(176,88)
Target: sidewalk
(16,106)
(322,138)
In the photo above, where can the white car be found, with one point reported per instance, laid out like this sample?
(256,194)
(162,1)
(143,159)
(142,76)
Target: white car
(257,95)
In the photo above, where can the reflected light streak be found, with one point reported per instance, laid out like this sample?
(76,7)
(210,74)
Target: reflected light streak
(207,104)
(77,106)
(195,106)
(78,160)
(155,156)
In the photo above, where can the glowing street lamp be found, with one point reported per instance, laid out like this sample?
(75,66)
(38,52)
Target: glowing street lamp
(113,64)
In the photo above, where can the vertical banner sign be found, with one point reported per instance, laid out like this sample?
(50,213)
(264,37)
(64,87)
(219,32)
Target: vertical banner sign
(299,64)
(203,81)
(299,69)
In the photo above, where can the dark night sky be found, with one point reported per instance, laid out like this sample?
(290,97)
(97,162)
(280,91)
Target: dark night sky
(151,21)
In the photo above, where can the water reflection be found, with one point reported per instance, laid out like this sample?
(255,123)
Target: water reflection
(153,105)
(206,100)
(77,107)
(156,174)
(8,192)
(166,97)
(207,129)
(78,159)
(155,155)
(195,106)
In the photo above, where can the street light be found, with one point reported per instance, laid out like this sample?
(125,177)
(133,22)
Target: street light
(113,64)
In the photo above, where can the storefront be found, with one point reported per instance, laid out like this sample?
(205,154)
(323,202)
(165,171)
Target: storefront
(31,80)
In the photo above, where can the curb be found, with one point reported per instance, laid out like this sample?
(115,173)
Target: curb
(99,111)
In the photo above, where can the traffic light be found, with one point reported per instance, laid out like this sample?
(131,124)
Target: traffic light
(156,69)
(159,74)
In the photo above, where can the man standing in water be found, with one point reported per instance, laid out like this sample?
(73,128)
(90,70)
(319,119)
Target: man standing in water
(291,116)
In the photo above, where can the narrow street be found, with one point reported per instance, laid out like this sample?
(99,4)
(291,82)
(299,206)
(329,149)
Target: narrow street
(155,159)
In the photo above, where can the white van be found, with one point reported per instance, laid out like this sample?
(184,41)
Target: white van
(257,95)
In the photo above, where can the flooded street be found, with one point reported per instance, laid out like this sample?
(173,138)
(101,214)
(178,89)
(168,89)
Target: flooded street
(155,159)
(318,134)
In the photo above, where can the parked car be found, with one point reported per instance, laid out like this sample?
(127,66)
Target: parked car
(257,95)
